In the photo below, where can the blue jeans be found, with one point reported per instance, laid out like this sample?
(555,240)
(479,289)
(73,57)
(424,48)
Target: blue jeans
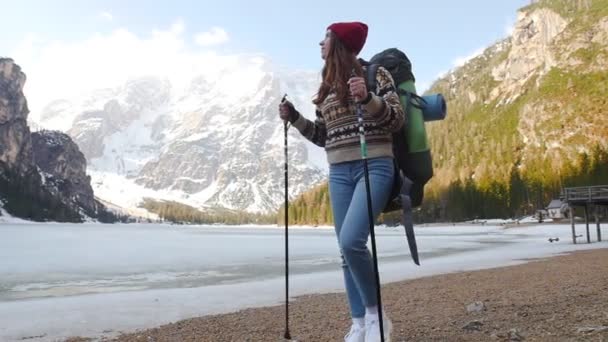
(349,204)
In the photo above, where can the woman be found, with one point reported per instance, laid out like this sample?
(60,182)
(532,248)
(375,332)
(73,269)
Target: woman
(336,129)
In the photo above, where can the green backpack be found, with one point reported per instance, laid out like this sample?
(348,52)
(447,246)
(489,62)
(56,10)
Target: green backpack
(410,145)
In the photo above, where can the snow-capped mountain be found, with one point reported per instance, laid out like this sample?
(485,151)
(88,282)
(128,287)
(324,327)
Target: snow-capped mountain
(211,139)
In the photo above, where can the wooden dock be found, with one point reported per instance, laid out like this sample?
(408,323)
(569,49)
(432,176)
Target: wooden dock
(586,197)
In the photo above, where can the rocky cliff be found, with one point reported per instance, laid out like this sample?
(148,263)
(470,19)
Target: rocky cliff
(62,164)
(15,143)
(42,174)
(535,101)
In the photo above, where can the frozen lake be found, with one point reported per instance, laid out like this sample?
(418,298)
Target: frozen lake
(59,280)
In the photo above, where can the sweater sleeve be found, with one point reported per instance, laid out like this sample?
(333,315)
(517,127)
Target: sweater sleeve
(313,131)
(384,104)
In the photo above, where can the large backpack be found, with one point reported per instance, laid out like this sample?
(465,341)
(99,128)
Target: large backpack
(410,144)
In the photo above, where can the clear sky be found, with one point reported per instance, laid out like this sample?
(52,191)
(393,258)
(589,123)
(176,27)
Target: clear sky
(435,34)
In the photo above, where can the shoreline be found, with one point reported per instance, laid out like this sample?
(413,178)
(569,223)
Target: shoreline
(546,299)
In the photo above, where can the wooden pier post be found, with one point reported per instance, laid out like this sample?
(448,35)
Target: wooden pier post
(571,210)
(595,196)
(597,222)
(587,222)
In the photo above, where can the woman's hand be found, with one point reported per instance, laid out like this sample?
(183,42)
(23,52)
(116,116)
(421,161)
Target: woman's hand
(358,88)
(287,111)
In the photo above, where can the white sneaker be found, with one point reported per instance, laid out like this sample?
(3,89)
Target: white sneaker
(372,329)
(356,334)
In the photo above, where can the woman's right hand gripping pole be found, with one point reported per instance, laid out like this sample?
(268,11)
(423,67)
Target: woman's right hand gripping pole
(287,111)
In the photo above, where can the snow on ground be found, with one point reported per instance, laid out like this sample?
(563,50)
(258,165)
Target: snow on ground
(6,218)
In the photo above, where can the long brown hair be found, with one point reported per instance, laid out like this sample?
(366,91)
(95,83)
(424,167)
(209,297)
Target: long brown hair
(339,66)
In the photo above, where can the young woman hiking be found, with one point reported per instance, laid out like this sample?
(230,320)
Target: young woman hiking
(336,128)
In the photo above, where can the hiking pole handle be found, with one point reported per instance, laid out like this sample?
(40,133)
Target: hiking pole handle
(362,141)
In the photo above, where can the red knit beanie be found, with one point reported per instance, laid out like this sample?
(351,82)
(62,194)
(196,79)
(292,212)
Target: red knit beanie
(352,34)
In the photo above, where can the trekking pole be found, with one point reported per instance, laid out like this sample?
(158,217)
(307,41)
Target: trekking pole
(370,215)
(287,335)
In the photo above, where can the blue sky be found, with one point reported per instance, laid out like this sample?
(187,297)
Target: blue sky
(435,34)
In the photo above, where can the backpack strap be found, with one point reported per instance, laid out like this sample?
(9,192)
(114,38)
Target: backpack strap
(371,82)
(413,99)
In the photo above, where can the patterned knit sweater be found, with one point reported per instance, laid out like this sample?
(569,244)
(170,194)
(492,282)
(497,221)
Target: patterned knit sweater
(336,127)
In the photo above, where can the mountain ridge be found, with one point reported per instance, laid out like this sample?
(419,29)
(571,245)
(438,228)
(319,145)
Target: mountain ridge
(213,141)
